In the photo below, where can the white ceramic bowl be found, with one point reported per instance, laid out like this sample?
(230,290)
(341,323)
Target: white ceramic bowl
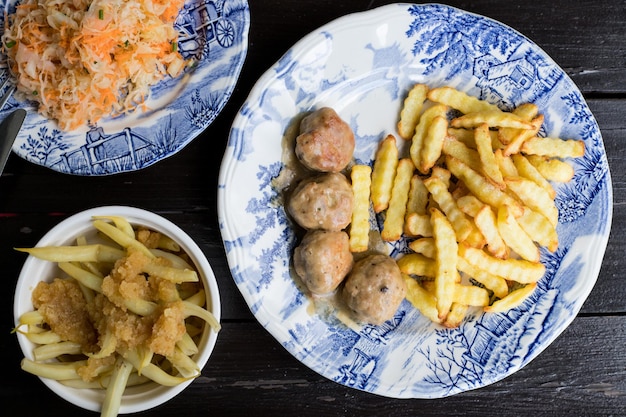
(140,397)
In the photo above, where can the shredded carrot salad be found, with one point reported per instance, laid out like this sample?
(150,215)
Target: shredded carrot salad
(82,60)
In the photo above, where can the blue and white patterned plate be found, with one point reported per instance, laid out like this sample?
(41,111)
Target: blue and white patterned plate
(363,65)
(215,34)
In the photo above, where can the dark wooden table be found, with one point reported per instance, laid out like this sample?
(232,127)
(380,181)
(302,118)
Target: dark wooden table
(583,373)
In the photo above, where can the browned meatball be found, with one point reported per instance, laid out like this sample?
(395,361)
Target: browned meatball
(374,289)
(322,202)
(326,142)
(322,260)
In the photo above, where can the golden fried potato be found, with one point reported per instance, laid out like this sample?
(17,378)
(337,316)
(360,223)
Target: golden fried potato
(512,300)
(492,119)
(421,131)
(518,270)
(552,169)
(515,236)
(460,101)
(360,226)
(554,147)
(394,219)
(411,110)
(383,173)
(446,275)
(433,143)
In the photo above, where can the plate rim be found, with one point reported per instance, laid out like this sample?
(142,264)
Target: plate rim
(252,104)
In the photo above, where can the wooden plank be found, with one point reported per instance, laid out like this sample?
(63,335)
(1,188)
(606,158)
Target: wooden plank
(559,382)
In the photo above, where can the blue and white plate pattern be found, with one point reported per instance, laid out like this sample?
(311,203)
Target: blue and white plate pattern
(362,65)
(212,32)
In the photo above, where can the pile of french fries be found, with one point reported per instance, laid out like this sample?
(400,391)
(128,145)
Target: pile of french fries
(473,195)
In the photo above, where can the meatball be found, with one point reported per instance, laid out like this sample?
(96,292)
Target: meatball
(374,289)
(322,202)
(322,260)
(326,142)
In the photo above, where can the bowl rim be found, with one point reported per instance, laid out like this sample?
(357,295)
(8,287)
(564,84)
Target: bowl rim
(145,396)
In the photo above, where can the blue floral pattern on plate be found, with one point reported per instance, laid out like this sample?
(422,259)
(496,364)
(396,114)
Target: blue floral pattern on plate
(214,33)
(363,65)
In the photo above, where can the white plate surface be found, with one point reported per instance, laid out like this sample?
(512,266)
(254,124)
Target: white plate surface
(362,65)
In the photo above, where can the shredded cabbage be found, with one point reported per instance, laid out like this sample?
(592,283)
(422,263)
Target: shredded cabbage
(82,60)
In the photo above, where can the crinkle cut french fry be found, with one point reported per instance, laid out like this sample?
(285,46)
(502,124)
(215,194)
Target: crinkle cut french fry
(527,111)
(515,237)
(469,204)
(487,158)
(455,317)
(534,197)
(421,299)
(523,135)
(492,282)
(482,188)
(417,142)
(84,253)
(552,169)
(394,219)
(417,264)
(462,152)
(470,295)
(512,300)
(418,225)
(528,171)
(462,226)
(418,196)
(424,246)
(446,273)
(491,118)
(539,228)
(411,110)
(507,167)
(433,143)
(486,222)
(359,226)
(554,147)
(518,270)
(383,173)
(459,100)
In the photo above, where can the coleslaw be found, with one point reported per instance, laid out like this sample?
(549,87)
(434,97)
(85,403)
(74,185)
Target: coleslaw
(82,60)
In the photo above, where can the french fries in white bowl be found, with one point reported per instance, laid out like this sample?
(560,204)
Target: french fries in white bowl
(86,249)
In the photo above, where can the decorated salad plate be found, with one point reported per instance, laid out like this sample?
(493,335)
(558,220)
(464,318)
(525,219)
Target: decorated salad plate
(212,33)
(363,65)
